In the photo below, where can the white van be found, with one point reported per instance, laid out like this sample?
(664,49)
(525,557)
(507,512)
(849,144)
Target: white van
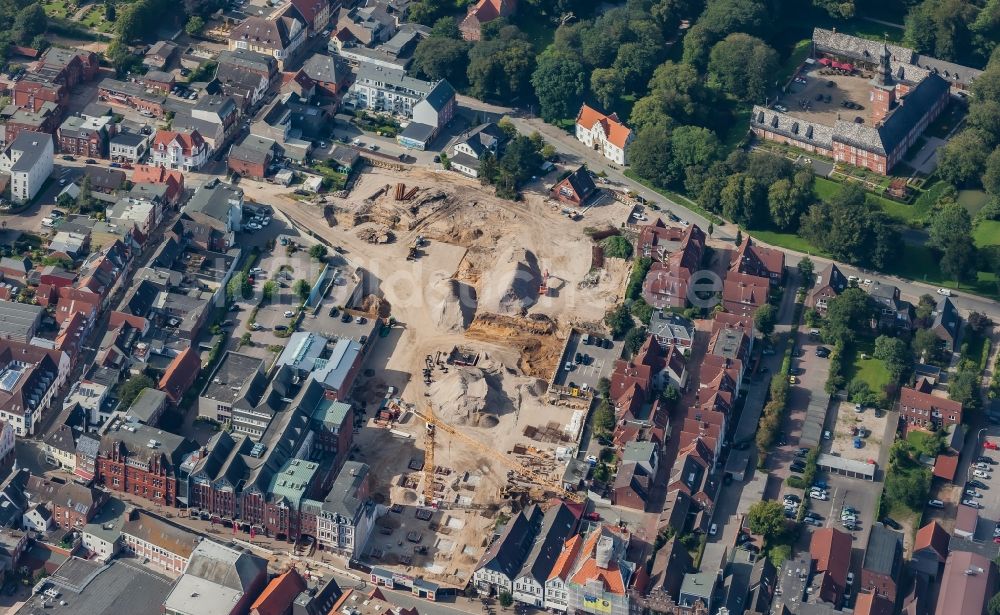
(48,222)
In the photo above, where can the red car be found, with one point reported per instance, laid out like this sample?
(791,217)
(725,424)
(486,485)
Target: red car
(592,516)
(990,445)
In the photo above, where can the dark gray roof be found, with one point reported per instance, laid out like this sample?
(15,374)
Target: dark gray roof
(148,402)
(558,525)
(582,183)
(947,317)
(418,132)
(884,554)
(62,438)
(32,148)
(323,68)
(343,497)
(128,139)
(212,200)
(253,149)
(137,440)
(481,137)
(249,60)
(232,379)
(507,554)
(344,156)
(440,95)
(94,588)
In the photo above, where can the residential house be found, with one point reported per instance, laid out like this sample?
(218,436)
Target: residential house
(830,282)
(928,411)
(430,114)
(19,321)
(500,565)
(604,133)
(180,375)
(892,312)
(368,25)
(469,148)
(883,563)
(603,575)
(104,179)
(484,11)
(186,151)
(72,505)
(744,294)
(279,594)
(671,329)
(218,580)
(326,73)
(159,81)
(148,102)
(16,268)
(160,55)
(631,487)
(556,526)
(667,282)
(44,121)
(220,206)
(242,84)
(37,519)
(252,157)
(576,189)
(102,535)
(830,551)
(947,323)
(260,64)
(128,147)
(345,519)
(139,214)
(315,13)
(215,118)
(658,241)
(237,386)
(86,136)
(28,161)
(172,179)
(6,446)
(279,35)
(160,542)
(930,549)
(148,407)
(30,378)
(755,260)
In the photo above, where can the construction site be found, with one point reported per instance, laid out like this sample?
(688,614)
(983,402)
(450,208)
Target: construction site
(485,293)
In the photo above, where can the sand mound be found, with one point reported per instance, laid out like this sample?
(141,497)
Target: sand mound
(477,395)
(453,305)
(376,306)
(511,286)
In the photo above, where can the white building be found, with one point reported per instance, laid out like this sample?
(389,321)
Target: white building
(128,147)
(28,161)
(139,213)
(469,148)
(388,90)
(37,519)
(186,151)
(604,133)
(164,544)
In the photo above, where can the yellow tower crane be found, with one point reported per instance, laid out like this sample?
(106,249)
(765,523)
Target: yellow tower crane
(525,473)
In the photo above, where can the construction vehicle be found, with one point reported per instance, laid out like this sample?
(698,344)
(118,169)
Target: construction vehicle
(542,482)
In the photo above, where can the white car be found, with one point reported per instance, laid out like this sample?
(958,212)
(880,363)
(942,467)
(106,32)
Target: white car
(935,504)
(818,495)
(781,108)
(850,578)
(712,531)
(972,503)
(982,466)
(568,367)
(980,474)
(289,313)
(826,435)
(867,282)
(255,327)
(944,291)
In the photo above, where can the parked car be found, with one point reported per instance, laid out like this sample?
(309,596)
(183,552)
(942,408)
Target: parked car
(791,497)
(980,474)
(977,484)
(945,292)
(972,493)
(982,466)
(281,327)
(802,452)
(972,503)
(935,503)
(712,531)
(985,459)
(289,313)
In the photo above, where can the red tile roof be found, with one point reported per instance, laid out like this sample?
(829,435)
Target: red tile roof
(279,594)
(750,258)
(934,537)
(915,400)
(872,604)
(831,549)
(617,133)
(945,466)
(566,558)
(189,141)
(180,374)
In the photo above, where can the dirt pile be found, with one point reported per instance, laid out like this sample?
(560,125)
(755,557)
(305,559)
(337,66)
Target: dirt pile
(511,286)
(376,234)
(534,336)
(478,395)
(453,305)
(376,306)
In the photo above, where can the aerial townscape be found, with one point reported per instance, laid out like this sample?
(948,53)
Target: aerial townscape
(477,307)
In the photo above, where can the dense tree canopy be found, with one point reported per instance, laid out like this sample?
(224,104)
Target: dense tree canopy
(744,66)
(852,229)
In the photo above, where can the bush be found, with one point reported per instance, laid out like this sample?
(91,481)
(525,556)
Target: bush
(636,278)
(795,482)
(617,246)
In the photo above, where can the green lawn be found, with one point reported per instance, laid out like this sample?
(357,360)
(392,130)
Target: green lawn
(921,264)
(987,233)
(798,55)
(58,8)
(870,370)
(918,439)
(666,193)
(789,241)
(95,19)
(907,214)
(972,200)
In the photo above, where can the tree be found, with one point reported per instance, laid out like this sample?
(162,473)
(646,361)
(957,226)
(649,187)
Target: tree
(743,65)
(604,387)
(617,246)
(764,319)
(738,240)
(318,251)
(978,322)
(743,200)
(991,174)
(994,605)
(501,68)
(132,387)
(909,488)
(238,286)
(506,600)
(110,14)
(843,9)
(925,345)
(786,202)
(806,269)
(940,28)
(650,154)
(84,199)
(642,310)
(949,234)
(302,289)
(29,23)
(766,518)
(845,314)
(268,290)
(619,319)
(984,117)
(446,27)
(606,85)
(851,228)
(692,147)
(634,339)
(194,25)
(442,58)
(604,417)
(559,81)
(961,161)
(681,94)
(711,229)
(894,353)
(964,385)
(634,62)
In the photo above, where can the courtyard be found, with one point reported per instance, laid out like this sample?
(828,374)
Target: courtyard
(849,422)
(801,98)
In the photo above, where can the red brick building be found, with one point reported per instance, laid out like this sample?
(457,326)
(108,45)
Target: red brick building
(883,563)
(31,95)
(142,461)
(756,260)
(575,189)
(180,374)
(928,411)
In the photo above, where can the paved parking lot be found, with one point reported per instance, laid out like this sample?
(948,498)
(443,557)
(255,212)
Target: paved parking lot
(601,364)
(989,513)
(843,439)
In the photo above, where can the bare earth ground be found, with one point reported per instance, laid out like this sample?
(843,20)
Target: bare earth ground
(475,285)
